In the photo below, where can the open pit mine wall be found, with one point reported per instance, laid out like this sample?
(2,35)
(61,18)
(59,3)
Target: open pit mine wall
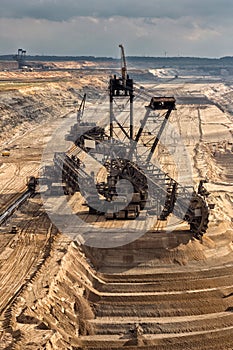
(8,65)
(64,309)
(22,108)
(28,100)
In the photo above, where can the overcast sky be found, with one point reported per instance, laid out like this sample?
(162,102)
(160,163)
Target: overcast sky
(96,27)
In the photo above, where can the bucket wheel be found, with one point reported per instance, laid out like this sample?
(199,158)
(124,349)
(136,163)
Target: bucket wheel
(200,216)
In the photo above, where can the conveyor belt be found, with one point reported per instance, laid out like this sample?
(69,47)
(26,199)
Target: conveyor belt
(11,209)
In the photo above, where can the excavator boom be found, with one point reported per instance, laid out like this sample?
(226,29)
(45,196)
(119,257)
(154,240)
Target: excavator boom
(123,65)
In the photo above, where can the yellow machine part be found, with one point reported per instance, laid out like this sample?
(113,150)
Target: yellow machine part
(5,153)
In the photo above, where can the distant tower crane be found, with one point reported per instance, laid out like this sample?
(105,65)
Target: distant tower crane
(20,58)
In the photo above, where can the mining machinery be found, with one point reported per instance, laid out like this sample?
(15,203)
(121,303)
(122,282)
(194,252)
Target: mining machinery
(32,183)
(82,133)
(151,189)
(20,57)
(123,66)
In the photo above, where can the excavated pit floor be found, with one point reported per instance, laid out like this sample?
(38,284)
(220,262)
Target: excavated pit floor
(161,291)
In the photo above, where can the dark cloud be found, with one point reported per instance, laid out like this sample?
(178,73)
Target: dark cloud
(96,27)
(100,37)
(60,10)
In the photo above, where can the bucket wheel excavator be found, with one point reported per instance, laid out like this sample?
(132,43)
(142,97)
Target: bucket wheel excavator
(118,146)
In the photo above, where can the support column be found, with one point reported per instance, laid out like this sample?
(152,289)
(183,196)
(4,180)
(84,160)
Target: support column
(111,117)
(131,118)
